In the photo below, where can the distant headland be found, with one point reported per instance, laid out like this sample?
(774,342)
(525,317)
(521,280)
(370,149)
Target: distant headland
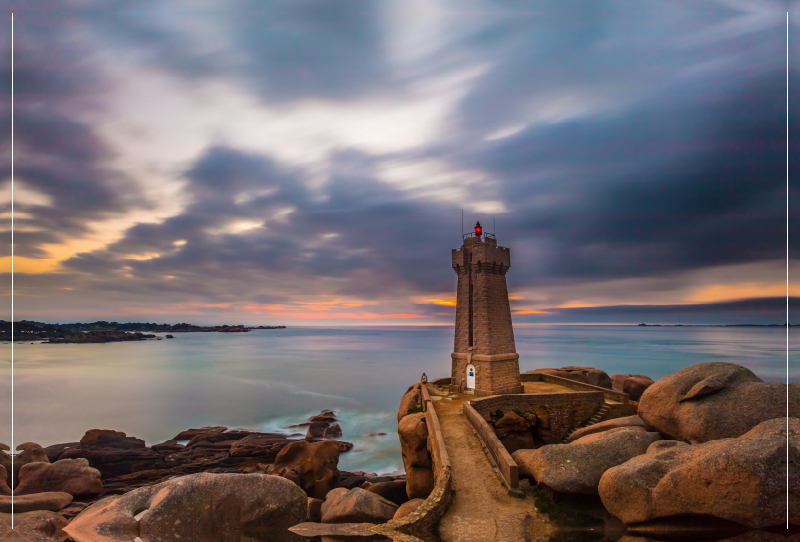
(103,332)
(716,325)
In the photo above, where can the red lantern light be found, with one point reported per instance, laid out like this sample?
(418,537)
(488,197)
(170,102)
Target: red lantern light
(478,229)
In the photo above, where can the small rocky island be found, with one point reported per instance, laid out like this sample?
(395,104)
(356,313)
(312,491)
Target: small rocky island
(104,332)
(80,337)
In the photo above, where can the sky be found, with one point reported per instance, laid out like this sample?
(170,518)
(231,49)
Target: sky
(307,162)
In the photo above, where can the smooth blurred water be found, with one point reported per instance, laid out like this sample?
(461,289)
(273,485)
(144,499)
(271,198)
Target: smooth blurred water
(269,379)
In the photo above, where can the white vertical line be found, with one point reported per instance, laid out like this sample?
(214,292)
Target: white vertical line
(12,271)
(787,269)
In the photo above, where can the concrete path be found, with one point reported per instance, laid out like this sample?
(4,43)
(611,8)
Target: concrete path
(481,509)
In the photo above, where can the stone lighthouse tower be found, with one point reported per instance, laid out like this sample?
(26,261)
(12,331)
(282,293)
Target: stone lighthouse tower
(485,360)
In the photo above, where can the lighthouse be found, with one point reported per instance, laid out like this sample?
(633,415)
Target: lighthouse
(484,358)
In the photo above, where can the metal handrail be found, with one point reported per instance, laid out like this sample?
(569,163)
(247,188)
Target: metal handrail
(485,234)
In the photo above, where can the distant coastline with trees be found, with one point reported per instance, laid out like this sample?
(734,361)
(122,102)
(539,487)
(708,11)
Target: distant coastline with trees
(103,331)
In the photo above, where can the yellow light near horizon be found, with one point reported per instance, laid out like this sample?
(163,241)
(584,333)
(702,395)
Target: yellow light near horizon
(73,247)
(731,292)
(29,265)
(447,302)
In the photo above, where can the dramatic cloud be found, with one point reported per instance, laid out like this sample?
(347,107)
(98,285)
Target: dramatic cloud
(309,161)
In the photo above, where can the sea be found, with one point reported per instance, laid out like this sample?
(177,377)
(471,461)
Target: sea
(267,380)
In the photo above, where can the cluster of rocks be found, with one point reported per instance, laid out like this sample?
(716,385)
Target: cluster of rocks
(412,428)
(253,506)
(323,425)
(520,430)
(53,485)
(710,440)
(46,495)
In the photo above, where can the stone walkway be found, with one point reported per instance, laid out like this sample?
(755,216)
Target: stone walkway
(481,509)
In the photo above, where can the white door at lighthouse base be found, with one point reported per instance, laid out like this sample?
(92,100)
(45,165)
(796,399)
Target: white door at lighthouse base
(470,377)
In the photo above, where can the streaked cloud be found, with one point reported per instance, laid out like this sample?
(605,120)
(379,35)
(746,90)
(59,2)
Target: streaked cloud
(310,160)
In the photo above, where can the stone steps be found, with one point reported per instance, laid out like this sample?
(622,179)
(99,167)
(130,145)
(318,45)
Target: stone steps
(597,417)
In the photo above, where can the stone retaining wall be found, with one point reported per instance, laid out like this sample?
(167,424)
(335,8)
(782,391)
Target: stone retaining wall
(440,382)
(566,410)
(502,459)
(418,526)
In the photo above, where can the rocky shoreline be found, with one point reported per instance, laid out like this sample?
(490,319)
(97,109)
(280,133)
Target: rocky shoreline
(705,446)
(55,484)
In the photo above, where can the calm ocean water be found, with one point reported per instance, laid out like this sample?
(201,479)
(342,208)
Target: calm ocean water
(268,379)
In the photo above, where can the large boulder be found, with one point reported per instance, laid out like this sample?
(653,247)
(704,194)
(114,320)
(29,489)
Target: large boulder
(419,482)
(168,447)
(101,437)
(50,500)
(5,462)
(627,421)
(356,506)
(54,452)
(407,508)
(577,467)
(350,480)
(200,506)
(30,452)
(394,490)
(314,510)
(411,402)
(316,430)
(413,432)
(510,422)
(587,375)
(114,454)
(334,431)
(108,438)
(633,385)
(713,401)
(514,432)
(189,434)
(522,440)
(5,489)
(739,479)
(259,444)
(73,476)
(313,466)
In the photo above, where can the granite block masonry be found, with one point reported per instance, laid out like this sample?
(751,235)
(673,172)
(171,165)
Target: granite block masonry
(484,358)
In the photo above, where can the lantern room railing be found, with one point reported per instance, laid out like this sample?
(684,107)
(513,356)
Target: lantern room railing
(485,234)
